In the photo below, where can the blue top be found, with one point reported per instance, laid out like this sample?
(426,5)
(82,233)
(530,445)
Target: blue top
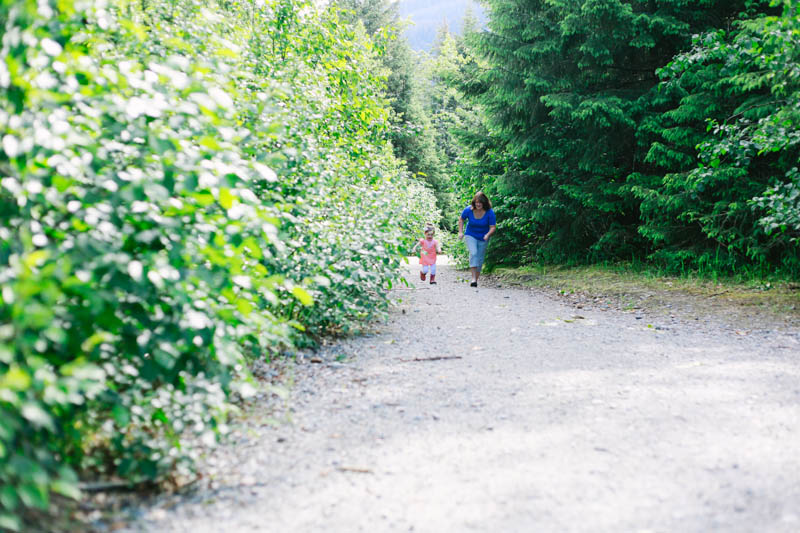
(478,227)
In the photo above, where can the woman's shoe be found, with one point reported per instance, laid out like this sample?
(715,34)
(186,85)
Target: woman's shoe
(473,284)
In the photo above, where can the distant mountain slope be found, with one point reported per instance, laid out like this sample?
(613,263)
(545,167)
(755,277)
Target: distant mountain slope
(429,15)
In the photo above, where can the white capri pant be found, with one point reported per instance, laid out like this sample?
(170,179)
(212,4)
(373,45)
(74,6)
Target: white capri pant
(427,268)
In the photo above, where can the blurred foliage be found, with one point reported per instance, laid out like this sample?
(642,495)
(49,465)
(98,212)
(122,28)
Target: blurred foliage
(185,184)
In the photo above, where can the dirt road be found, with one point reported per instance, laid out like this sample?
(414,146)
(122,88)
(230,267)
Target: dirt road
(496,409)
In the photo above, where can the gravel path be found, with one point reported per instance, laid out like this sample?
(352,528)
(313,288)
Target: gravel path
(533,418)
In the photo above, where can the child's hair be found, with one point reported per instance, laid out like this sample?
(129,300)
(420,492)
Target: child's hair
(429,228)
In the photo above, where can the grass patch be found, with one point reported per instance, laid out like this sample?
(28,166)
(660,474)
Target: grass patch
(753,302)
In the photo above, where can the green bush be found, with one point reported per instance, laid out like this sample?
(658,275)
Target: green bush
(613,130)
(735,112)
(185,184)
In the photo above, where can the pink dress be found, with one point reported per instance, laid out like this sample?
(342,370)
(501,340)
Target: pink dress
(428,254)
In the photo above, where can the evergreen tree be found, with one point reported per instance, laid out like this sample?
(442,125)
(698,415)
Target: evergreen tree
(374,14)
(442,32)
(567,89)
(469,24)
(736,94)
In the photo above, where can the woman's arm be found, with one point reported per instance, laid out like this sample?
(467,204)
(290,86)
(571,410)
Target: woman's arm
(492,224)
(460,227)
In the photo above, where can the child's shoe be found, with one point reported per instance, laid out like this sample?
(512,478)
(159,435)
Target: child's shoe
(433,279)
(422,276)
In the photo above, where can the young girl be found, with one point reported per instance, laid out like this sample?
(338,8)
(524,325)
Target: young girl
(427,257)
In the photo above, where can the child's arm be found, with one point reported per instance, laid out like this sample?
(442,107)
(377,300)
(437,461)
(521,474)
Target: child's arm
(414,249)
(438,247)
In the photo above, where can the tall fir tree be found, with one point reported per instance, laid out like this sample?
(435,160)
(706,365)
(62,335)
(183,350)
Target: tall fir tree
(734,102)
(567,89)
(374,14)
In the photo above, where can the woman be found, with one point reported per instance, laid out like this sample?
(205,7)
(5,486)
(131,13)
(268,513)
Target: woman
(480,226)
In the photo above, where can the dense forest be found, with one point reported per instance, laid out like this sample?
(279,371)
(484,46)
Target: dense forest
(632,130)
(187,186)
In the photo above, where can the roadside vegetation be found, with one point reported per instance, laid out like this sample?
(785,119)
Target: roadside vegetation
(744,304)
(186,186)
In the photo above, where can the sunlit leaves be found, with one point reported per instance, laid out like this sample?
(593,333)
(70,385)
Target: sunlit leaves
(182,196)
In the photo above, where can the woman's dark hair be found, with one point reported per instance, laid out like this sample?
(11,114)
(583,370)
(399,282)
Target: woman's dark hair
(482,198)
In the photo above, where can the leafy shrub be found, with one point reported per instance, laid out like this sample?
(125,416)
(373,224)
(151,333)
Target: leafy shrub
(184,184)
(738,114)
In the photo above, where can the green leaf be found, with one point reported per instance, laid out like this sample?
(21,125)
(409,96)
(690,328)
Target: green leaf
(204,199)
(8,497)
(61,183)
(244,306)
(68,489)
(34,496)
(226,198)
(210,143)
(36,258)
(16,379)
(10,522)
(302,295)
(121,414)
(37,416)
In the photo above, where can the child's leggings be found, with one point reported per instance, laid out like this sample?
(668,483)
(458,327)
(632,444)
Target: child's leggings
(432,268)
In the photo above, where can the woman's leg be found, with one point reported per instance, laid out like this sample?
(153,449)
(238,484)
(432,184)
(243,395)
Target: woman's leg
(480,255)
(472,248)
